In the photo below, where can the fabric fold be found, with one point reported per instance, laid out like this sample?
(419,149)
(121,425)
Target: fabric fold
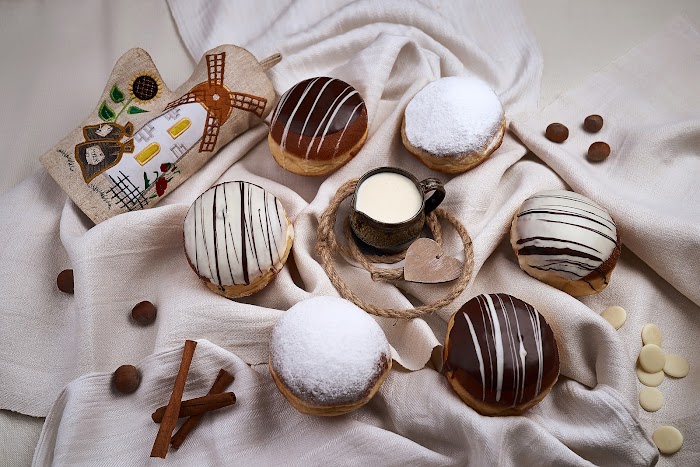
(416,419)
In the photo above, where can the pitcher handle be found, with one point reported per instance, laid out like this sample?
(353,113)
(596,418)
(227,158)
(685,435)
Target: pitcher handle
(435,185)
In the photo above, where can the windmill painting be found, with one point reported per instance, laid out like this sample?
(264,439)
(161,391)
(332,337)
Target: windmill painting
(144,140)
(218,100)
(194,118)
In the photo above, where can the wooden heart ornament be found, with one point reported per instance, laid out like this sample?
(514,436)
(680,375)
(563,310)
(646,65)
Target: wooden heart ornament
(426,264)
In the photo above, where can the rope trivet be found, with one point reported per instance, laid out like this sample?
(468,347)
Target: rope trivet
(327,245)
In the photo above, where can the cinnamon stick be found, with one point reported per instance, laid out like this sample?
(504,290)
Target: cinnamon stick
(222,381)
(162,442)
(198,405)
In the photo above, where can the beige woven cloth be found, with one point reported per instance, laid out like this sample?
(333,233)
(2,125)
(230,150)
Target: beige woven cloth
(388,53)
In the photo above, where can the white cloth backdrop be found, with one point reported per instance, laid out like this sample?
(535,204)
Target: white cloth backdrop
(388,53)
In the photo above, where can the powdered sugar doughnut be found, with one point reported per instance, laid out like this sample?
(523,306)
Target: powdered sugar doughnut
(327,356)
(237,238)
(453,124)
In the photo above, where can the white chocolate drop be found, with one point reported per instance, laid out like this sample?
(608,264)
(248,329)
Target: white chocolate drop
(651,334)
(668,439)
(651,399)
(650,379)
(615,315)
(652,358)
(676,366)
(388,197)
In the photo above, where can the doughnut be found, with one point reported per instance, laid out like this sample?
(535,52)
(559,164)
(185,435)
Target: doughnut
(237,238)
(327,356)
(566,240)
(318,126)
(500,355)
(453,124)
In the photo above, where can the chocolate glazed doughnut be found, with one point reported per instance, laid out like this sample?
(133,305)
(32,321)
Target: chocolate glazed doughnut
(317,126)
(500,355)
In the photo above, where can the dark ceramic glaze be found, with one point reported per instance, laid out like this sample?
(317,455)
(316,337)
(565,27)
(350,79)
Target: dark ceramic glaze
(392,238)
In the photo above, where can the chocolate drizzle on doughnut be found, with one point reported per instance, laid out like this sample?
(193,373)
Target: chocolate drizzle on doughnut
(566,234)
(501,350)
(319,119)
(231,237)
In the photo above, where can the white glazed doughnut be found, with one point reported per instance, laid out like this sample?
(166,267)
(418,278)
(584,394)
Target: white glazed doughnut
(566,240)
(327,356)
(237,237)
(453,124)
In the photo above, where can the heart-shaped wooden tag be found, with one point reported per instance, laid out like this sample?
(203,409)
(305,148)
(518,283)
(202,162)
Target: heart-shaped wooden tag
(425,263)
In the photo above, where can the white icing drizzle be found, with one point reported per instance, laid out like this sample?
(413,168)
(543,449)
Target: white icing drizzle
(313,107)
(563,233)
(513,340)
(330,120)
(234,233)
(478,355)
(332,107)
(337,145)
(291,116)
(498,341)
(537,332)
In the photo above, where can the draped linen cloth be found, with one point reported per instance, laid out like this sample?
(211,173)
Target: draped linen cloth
(388,51)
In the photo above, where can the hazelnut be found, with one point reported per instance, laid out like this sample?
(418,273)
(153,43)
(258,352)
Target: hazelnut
(64,281)
(126,379)
(557,132)
(598,151)
(144,313)
(593,123)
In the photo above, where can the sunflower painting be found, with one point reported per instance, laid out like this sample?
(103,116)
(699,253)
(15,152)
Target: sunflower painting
(143,88)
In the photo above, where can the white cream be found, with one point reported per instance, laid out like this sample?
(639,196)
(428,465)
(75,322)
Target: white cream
(388,197)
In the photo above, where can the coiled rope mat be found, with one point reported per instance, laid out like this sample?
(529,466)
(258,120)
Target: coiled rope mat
(327,245)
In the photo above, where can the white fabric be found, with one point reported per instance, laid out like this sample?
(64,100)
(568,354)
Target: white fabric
(651,105)
(388,54)
(263,429)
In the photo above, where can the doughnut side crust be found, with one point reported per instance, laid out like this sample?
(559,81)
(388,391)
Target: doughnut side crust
(257,284)
(330,410)
(458,162)
(313,167)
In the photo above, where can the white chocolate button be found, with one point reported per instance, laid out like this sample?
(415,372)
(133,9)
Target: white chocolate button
(650,379)
(676,366)
(667,439)
(651,399)
(651,334)
(615,315)
(652,358)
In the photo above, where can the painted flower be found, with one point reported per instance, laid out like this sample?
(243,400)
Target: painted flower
(145,86)
(161,185)
(165,167)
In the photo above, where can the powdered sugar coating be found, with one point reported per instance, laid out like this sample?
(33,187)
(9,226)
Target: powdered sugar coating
(453,115)
(328,351)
